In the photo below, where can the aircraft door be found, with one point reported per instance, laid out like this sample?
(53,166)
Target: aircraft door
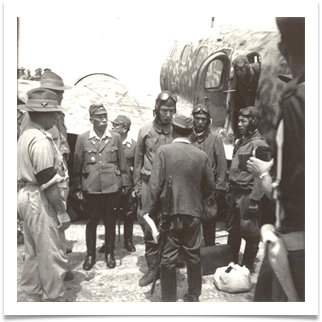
(211,87)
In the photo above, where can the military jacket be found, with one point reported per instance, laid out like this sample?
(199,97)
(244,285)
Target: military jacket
(99,165)
(129,147)
(212,144)
(244,179)
(151,136)
(192,179)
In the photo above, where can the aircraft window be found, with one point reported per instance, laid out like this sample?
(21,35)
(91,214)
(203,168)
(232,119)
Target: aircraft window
(202,54)
(214,73)
(185,54)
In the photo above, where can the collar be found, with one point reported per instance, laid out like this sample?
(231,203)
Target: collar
(181,140)
(92,134)
(201,136)
(159,127)
(127,141)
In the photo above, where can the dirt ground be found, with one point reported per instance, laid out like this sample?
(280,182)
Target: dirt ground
(121,284)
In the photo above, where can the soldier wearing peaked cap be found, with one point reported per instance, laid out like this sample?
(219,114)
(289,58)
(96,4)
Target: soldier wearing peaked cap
(43,180)
(127,206)
(192,181)
(100,174)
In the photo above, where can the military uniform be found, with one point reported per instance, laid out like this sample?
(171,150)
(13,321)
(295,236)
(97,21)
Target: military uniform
(192,180)
(244,187)
(100,172)
(45,260)
(127,204)
(151,136)
(292,194)
(212,144)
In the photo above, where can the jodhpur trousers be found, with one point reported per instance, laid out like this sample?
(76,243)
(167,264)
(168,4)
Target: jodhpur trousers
(45,263)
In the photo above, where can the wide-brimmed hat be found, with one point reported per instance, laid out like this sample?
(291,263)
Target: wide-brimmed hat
(41,100)
(51,80)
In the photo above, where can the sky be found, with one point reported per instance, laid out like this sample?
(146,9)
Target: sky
(130,41)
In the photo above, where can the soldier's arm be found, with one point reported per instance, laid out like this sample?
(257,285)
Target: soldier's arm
(122,163)
(78,165)
(42,156)
(156,182)
(138,162)
(221,164)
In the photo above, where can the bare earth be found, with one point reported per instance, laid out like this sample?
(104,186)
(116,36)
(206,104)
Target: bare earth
(121,284)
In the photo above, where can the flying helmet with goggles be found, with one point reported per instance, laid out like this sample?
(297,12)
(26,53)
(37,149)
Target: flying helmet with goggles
(200,109)
(166,98)
(240,61)
(252,113)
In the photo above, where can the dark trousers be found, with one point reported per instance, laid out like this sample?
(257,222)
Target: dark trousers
(127,209)
(242,224)
(185,233)
(268,288)
(101,206)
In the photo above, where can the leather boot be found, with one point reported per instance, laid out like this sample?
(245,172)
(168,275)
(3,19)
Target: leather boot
(209,232)
(102,249)
(128,244)
(168,284)
(234,241)
(249,256)
(194,282)
(89,263)
(148,277)
(128,234)
(110,260)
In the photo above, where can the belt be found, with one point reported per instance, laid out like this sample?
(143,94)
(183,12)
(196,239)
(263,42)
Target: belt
(294,240)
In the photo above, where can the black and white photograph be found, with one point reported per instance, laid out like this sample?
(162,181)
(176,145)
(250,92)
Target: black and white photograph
(160,158)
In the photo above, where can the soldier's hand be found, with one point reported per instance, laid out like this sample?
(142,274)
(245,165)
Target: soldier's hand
(126,190)
(79,194)
(253,206)
(64,221)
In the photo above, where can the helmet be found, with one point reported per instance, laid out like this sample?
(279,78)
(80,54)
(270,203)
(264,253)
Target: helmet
(252,113)
(165,98)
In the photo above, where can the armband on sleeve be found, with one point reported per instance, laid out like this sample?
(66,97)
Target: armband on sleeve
(48,177)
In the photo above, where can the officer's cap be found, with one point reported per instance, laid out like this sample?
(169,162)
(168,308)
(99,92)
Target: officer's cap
(122,120)
(97,109)
(182,121)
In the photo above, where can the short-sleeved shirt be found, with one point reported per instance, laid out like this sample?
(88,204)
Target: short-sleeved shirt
(35,153)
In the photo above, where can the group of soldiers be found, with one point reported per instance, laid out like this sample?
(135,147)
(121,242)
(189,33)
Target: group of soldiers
(24,73)
(174,173)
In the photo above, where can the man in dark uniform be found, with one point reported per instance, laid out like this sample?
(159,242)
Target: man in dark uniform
(211,143)
(99,176)
(151,136)
(289,185)
(192,181)
(127,205)
(244,212)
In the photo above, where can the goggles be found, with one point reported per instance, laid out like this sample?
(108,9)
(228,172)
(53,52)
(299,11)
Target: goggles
(240,62)
(165,96)
(200,109)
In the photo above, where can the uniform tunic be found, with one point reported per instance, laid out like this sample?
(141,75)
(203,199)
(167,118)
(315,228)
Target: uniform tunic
(151,136)
(45,261)
(192,181)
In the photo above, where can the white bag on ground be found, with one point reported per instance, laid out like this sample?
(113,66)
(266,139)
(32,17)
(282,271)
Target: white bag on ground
(233,279)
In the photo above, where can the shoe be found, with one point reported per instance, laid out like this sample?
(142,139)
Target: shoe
(20,239)
(190,298)
(69,276)
(147,278)
(102,249)
(128,244)
(89,263)
(110,260)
